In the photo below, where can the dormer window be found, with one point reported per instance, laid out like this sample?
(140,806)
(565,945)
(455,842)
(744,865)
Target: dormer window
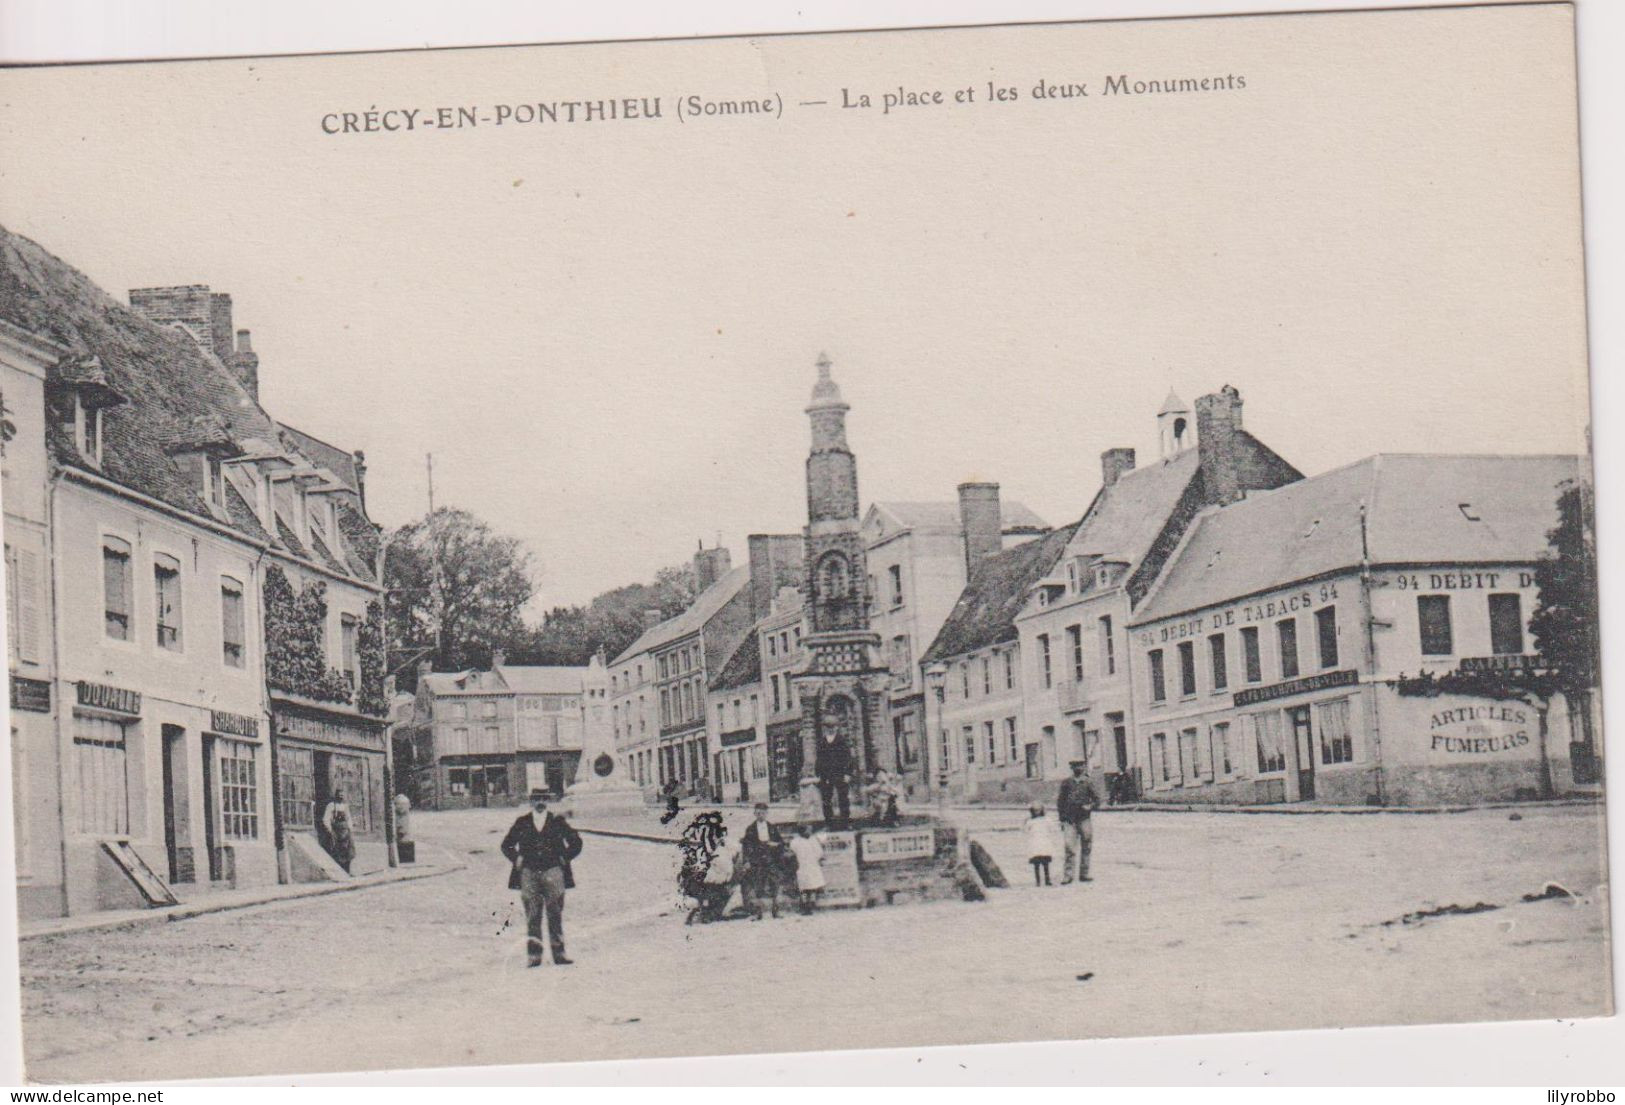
(1103,577)
(87,429)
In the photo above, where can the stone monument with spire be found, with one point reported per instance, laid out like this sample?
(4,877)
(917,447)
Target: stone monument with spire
(841,691)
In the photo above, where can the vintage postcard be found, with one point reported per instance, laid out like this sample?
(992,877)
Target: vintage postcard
(828,541)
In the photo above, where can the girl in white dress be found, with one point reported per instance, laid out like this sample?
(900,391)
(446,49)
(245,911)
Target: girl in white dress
(809,853)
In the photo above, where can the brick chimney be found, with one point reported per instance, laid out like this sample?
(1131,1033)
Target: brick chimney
(245,364)
(498,658)
(1219,445)
(709,566)
(776,560)
(360,459)
(1113,463)
(980,521)
(652,618)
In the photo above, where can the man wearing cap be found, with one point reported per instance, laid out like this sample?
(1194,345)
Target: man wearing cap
(540,845)
(1073,805)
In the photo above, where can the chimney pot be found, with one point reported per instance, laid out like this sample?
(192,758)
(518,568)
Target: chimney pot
(981,522)
(243,344)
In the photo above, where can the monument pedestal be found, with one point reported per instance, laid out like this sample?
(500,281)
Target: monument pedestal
(919,859)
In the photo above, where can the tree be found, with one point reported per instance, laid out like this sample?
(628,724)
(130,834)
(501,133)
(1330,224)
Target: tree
(610,622)
(456,588)
(1565,621)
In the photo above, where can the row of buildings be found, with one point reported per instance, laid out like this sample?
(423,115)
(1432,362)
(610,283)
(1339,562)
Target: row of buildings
(1215,627)
(195,620)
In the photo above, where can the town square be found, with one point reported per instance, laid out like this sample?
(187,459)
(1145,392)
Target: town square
(689,583)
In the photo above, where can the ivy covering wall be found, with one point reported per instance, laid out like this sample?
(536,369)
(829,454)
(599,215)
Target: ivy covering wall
(296,653)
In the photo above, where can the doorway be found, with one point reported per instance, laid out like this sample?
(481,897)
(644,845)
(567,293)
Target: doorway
(177,837)
(1303,741)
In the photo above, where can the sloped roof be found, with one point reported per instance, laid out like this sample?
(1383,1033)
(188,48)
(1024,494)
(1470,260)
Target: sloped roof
(711,600)
(987,608)
(323,455)
(177,393)
(451,683)
(945,515)
(542,679)
(744,667)
(1126,517)
(1420,509)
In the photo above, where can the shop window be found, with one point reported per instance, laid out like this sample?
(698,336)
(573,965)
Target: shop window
(1286,632)
(116,588)
(1506,625)
(1433,620)
(1216,662)
(1250,655)
(1159,684)
(297,768)
(1187,669)
(239,790)
(1326,635)
(1271,747)
(1336,742)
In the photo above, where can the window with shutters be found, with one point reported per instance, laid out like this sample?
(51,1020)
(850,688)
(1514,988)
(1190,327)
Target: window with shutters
(969,734)
(1108,647)
(22,605)
(1044,669)
(992,741)
(166,578)
(1159,678)
(117,597)
(1187,669)
(1161,770)
(1224,761)
(1195,757)
(1216,662)
(1012,739)
(1074,642)
(1010,669)
(232,635)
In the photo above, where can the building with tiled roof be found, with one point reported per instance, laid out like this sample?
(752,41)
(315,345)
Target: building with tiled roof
(489,737)
(220,569)
(1355,638)
(918,556)
(1063,637)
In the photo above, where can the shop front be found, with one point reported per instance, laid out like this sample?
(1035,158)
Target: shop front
(321,752)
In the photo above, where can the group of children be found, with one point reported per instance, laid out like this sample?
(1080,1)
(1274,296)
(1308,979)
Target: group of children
(756,863)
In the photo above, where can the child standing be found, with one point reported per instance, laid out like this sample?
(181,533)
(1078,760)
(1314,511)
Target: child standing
(809,852)
(1043,842)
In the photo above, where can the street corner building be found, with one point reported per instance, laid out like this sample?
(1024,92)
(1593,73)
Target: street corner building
(1031,669)
(482,738)
(1362,637)
(196,652)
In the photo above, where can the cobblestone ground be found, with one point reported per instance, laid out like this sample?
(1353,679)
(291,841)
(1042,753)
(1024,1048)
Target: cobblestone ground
(1195,923)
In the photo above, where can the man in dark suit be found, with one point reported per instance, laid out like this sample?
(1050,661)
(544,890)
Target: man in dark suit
(834,766)
(762,849)
(540,845)
(1074,805)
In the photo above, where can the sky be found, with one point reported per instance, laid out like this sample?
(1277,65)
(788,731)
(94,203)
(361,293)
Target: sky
(605,333)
